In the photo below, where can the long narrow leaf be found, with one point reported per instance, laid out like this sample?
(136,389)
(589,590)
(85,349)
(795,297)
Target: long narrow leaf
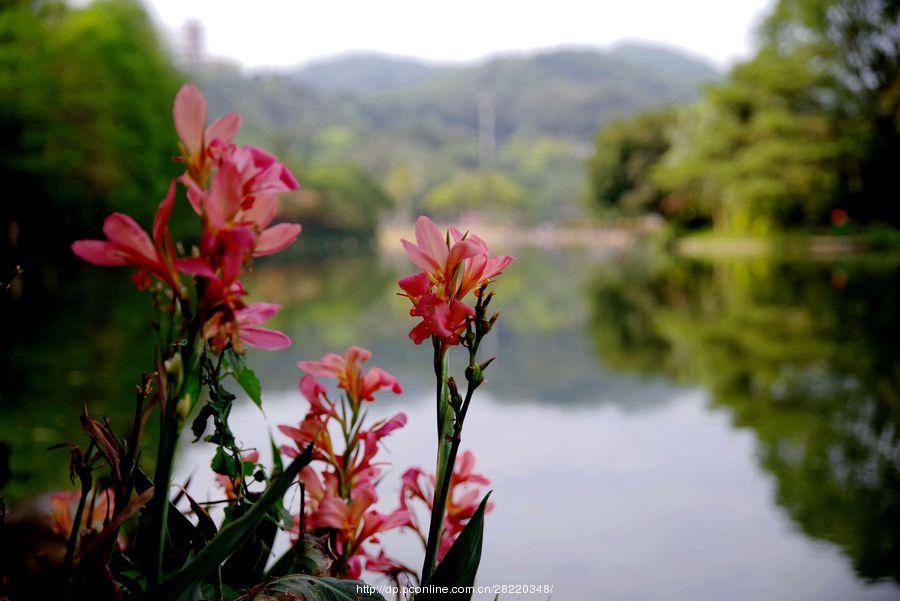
(231,536)
(460,565)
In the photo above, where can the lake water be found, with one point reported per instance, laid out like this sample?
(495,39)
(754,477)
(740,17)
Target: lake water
(654,428)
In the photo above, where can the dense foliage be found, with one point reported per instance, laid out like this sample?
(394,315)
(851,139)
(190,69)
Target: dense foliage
(84,97)
(416,130)
(809,126)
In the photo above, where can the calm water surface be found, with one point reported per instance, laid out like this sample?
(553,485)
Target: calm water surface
(654,428)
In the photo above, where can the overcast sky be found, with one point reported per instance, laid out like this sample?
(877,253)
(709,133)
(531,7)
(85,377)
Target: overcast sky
(287,32)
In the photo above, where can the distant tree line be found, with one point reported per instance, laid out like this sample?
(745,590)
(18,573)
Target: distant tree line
(86,96)
(804,134)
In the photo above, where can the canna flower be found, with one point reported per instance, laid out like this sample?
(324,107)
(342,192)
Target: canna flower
(348,371)
(195,139)
(393,569)
(372,437)
(316,395)
(243,191)
(353,519)
(241,327)
(313,430)
(229,204)
(452,266)
(445,320)
(479,269)
(462,500)
(340,497)
(127,244)
(435,256)
(98,510)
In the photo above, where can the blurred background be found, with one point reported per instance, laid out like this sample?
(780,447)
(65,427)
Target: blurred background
(698,390)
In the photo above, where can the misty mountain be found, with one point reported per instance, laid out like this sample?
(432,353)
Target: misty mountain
(364,73)
(415,125)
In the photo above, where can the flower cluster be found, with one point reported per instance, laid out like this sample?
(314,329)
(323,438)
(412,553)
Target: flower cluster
(234,189)
(464,494)
(449,272)
(341,494)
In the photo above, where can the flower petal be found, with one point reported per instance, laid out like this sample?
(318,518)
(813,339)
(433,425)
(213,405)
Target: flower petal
(125,232)
(256,313)
(420,259)
(189,113)
(99,252)
(223,129)
(276,238)
(430,239)
(261,338)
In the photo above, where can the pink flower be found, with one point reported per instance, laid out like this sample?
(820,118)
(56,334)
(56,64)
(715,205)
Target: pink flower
(63,506)
(446,320)
(247,180)
(127,244)
(382,564)
(353,519)
(348,371)
(229,203)
(462,500)
(449,272)
(479,269)
(435,257)
(242,329)
(314,392)
(373,436)
(313,430)
(189,114)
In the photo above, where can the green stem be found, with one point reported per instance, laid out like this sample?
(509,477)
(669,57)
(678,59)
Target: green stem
(446,456)
(86,485)
(161,479)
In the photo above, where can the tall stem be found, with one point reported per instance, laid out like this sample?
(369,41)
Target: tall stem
(161,478)
(446,456)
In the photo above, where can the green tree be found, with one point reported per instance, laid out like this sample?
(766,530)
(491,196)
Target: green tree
(764,150)
(626,151)
(858,41)
(488,192)
(338,198)
(85,105)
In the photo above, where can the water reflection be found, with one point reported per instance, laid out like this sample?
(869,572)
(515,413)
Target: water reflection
(599,401)
(802,354)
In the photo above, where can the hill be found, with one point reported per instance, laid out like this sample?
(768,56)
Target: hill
(364,73)
(415,125)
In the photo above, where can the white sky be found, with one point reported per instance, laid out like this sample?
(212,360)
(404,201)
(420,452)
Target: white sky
(288,32)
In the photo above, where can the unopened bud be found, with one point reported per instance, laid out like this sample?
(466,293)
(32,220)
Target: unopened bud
(474,375)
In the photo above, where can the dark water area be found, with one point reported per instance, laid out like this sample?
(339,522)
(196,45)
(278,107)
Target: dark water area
(654,427)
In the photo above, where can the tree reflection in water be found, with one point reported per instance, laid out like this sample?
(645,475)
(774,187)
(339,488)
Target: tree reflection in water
(804,354)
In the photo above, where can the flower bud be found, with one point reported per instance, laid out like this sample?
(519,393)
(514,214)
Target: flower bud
(474,375)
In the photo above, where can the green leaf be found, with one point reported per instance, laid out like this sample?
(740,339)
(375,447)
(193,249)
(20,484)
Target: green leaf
(277,464)
(460,565)
(231,536)
(246,378)
(308,588)
(224,463)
